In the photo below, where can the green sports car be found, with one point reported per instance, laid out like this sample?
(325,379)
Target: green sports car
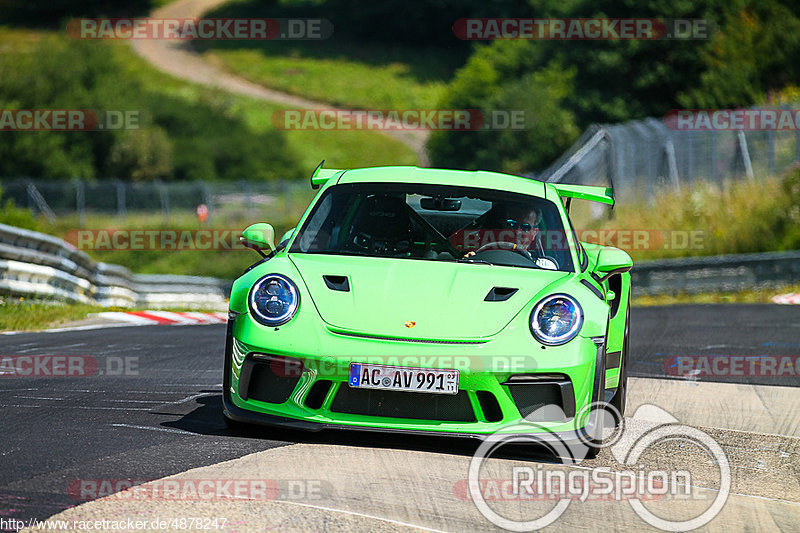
(429,301)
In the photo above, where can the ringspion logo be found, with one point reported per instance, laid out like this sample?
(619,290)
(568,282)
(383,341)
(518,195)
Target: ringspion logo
(532,490)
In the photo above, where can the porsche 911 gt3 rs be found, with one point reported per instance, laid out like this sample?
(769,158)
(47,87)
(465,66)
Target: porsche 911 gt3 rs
(429,301)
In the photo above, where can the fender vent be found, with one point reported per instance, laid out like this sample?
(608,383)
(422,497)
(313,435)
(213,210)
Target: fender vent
(337,283)
(500,294)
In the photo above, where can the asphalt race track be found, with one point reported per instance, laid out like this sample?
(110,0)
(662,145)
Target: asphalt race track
(152,409)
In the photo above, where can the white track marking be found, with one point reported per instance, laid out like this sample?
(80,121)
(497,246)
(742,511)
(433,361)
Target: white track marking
(787,299)
(124,317)
(38,398)
(121,319)
(72,328)
(362,515)
(154,428)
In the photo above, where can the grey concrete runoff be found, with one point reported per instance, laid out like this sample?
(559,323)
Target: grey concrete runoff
(332,487)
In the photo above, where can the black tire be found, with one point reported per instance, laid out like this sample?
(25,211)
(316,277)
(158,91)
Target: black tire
(620,396)
(592,452)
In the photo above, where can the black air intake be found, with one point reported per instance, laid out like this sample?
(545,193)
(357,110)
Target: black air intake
(267,378)
(397,404)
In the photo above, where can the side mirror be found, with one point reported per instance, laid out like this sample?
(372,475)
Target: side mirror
(259,237)
(611,261)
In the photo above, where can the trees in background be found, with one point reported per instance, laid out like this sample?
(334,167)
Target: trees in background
(564,86)
(176,139)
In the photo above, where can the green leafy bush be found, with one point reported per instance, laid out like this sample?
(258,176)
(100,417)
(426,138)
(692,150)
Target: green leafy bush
(12,215)
(177,138)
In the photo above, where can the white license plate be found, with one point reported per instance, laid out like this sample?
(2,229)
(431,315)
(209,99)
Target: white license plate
(401,378)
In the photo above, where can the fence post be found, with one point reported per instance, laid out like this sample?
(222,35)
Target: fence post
(248,197)
(797,146)
(121,207)
(205,196)
(771,151)
(745,154)
(714,156)
(672,164)
(80,201)
(36,198)
(162,189)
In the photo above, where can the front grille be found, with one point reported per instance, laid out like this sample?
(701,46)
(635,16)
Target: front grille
(396,404)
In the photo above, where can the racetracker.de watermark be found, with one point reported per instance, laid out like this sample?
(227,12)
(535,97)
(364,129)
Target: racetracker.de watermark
(778,119)
(555,240)
(582,29)
(329,367)
(160,240)
(182,29)
(398,119)
(69,119)
(733,366)
(172,489)
(66,366)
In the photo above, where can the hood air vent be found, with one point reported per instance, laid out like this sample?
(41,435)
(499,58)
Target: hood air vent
(337,283)
(500,294)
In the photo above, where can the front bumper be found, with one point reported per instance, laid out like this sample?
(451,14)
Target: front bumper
(489,398)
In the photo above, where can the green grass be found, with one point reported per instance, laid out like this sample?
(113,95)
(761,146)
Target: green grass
(21,315)
(739,297)
(740,217)
(706,219)
(345,75)
(223,263)
(339,149)
(343,70)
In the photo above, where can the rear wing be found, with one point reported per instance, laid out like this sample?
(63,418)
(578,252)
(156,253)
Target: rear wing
(321,175)
(593,193)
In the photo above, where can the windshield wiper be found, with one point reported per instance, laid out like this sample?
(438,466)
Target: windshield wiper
(470,260)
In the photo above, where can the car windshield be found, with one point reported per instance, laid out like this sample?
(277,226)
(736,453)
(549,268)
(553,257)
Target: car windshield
(438,223)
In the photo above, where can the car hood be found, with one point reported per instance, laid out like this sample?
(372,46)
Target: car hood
(417,299)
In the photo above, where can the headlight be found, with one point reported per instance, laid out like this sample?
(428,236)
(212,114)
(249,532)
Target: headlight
(556,319)
(274,300)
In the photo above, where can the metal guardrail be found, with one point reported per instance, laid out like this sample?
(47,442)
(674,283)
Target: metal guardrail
(717,273)
(37,265)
